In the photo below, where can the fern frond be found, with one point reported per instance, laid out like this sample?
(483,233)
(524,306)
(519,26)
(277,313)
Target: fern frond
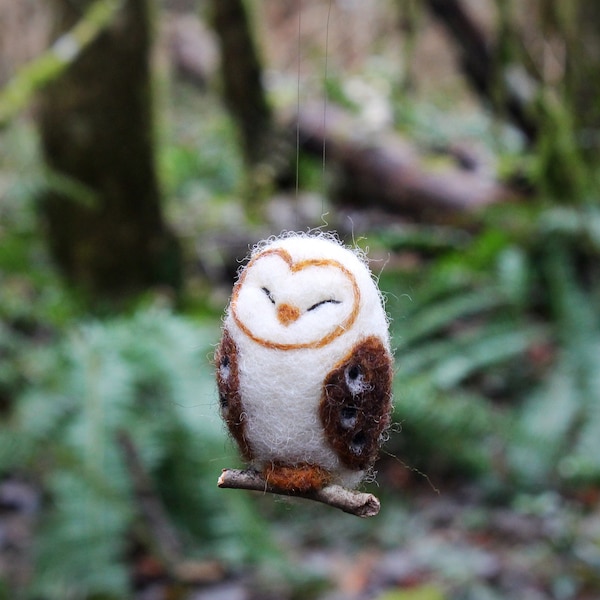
(446,431)
(491,346)
(147,374)
(432,319)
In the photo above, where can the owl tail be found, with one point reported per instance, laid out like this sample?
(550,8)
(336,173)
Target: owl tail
(299,478)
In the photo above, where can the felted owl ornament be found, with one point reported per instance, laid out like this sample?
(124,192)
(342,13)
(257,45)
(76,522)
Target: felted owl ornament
(304,368)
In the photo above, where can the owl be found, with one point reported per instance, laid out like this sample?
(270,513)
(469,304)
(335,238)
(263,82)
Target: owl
(304,367)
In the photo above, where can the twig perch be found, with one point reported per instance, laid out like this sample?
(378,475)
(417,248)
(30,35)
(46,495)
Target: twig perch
(355,503)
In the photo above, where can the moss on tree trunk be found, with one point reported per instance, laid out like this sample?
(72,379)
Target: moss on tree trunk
(96,129)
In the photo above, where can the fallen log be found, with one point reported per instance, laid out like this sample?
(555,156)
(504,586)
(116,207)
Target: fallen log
(388,172)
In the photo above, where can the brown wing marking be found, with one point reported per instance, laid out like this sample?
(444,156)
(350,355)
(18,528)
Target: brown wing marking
(228,382)
(356,403)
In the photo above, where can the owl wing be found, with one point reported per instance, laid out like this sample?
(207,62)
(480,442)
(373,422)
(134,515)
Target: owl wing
(226,362)
(356,403)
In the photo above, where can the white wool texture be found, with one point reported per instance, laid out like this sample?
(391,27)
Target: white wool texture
(282,366)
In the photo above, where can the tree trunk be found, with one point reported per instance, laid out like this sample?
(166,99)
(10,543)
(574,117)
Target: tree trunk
(477,59)
(97,136)
(582,70)
(242,85)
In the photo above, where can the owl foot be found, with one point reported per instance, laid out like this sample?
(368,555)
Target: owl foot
(300,478)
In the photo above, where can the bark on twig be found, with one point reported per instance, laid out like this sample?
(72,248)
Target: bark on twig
(350,501)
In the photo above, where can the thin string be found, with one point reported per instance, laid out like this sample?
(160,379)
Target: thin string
(298,99)
(325,95)
(325,103)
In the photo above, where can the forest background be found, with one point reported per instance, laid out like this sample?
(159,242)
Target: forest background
(145,146)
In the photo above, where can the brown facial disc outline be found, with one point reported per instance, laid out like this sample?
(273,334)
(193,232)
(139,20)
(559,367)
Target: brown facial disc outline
(294,268)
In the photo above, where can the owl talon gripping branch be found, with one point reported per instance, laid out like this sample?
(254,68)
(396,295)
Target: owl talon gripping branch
(304,368)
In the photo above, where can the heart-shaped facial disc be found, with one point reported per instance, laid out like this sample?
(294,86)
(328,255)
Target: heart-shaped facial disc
(291,304)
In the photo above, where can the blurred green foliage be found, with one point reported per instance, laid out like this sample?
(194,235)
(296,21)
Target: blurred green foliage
(423,592)
(497,348)
(148,375)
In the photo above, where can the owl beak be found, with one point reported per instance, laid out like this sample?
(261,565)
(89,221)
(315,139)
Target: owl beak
(287,314)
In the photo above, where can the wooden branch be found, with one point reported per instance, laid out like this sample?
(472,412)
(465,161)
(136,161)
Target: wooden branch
(350,501)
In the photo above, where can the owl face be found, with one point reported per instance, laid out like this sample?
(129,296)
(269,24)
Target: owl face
(288,304)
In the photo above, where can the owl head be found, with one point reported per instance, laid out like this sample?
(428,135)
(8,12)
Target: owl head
(306,291)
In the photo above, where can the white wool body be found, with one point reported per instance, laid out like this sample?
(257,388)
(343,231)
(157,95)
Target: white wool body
(283,365)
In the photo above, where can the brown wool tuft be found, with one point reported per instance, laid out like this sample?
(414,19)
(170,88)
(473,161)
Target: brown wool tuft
(301,478)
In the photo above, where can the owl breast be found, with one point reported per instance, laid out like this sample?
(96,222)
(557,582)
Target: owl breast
(281,399)
(327,408)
